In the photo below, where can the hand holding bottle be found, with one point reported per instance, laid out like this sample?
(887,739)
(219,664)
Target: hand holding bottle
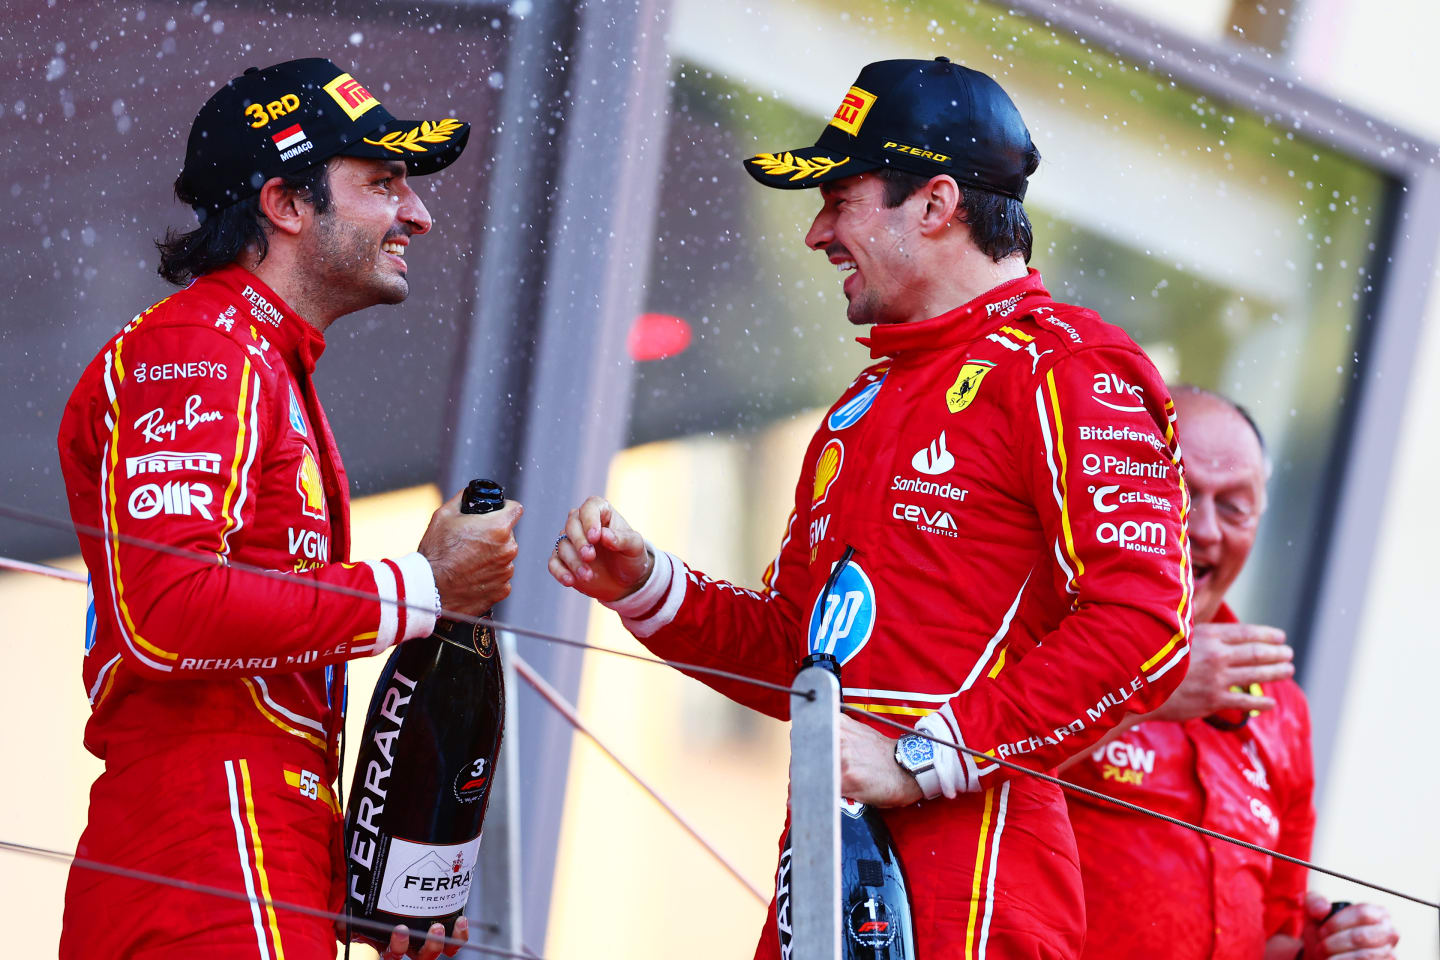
(472,555)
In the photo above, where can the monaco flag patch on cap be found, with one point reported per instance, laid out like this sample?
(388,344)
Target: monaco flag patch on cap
(288,137)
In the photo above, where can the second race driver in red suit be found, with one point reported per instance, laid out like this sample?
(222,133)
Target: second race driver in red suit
(992,597)
(1230,750)
(217,692)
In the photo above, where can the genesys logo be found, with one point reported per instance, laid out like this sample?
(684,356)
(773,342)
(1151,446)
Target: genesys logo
(842,620)
(164,461)
(1110,498)
(1123,396)
(155,372)
(939,522)
(1146,536)
(934,459)
(1108,432)
(176,498)
(1094,464)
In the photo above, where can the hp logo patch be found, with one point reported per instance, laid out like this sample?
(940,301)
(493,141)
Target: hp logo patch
(849,413)
(841,622)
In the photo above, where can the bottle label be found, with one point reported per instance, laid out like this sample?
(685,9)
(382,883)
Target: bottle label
(427,880)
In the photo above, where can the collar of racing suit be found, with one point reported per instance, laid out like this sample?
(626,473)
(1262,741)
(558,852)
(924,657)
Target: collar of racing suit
(297,341)
(960,325)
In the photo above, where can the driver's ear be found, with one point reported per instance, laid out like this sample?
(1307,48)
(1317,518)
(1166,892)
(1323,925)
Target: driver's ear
(942,201)
(283,206)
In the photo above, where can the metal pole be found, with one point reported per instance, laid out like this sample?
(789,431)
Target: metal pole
(814,868)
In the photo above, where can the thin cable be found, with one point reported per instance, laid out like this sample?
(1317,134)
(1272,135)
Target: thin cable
(16,513)
(159,878)
(567,710)
(25,515)
(40,568)
(1097,795)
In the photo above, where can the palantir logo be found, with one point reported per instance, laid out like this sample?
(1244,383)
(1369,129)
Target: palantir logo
(842,620)
(934,459)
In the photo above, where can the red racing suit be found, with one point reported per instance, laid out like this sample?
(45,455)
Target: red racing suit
(1157,890)
(1008,476)
(215,693)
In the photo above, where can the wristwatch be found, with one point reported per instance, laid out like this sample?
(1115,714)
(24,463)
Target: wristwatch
(916,756)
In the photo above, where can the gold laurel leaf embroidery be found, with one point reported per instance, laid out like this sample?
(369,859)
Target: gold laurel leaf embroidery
(413,140)
(799,167)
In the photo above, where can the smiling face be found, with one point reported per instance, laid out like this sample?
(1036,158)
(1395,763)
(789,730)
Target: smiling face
(874,247)
(357,248)
(1225,472)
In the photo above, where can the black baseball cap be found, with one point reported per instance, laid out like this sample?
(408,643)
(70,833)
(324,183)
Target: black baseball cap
(286,117)
(926,116)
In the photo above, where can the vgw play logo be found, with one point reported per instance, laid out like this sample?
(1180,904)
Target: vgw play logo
(842,620)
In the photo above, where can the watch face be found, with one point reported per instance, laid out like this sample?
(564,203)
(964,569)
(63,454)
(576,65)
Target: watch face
(917,750)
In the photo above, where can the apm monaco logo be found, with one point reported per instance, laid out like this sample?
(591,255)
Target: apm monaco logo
(291,142)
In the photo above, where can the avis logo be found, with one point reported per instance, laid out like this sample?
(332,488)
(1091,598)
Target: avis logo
(934,459)
(1131,398)
(842,620)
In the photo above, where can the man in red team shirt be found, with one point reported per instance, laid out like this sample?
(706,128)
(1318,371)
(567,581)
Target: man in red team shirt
(1237,762)
(976,587)
(217,693)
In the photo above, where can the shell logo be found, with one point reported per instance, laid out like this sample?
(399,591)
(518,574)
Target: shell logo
(827,469)
(310,487)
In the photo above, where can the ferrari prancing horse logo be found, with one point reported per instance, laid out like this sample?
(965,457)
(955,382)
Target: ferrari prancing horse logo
(967,384)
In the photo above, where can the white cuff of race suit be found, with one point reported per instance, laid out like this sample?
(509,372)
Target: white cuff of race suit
(409,601)
(658,600)
(955,772)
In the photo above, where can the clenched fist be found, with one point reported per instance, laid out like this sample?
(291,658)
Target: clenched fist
(599,554)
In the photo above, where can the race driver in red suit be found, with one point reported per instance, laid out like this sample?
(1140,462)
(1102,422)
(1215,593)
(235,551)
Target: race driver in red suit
(217,693)
(1220,753)
(991,599)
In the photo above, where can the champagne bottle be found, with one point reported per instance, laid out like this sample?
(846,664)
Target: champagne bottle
(875,898)
(423,773)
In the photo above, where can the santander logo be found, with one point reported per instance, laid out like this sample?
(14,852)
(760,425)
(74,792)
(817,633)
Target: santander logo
(934,459)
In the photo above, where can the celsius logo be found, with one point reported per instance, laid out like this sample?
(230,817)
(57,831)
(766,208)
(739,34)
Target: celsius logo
(1100,494)
(1131,397)
(849,413)
(934,459)
(842,620)
(1146,537)
(827,469)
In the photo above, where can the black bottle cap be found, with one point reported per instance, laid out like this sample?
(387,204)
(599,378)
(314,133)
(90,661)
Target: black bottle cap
(482,496)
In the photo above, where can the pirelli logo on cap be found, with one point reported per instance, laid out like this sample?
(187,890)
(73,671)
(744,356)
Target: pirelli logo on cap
(352,97)
(852,111)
